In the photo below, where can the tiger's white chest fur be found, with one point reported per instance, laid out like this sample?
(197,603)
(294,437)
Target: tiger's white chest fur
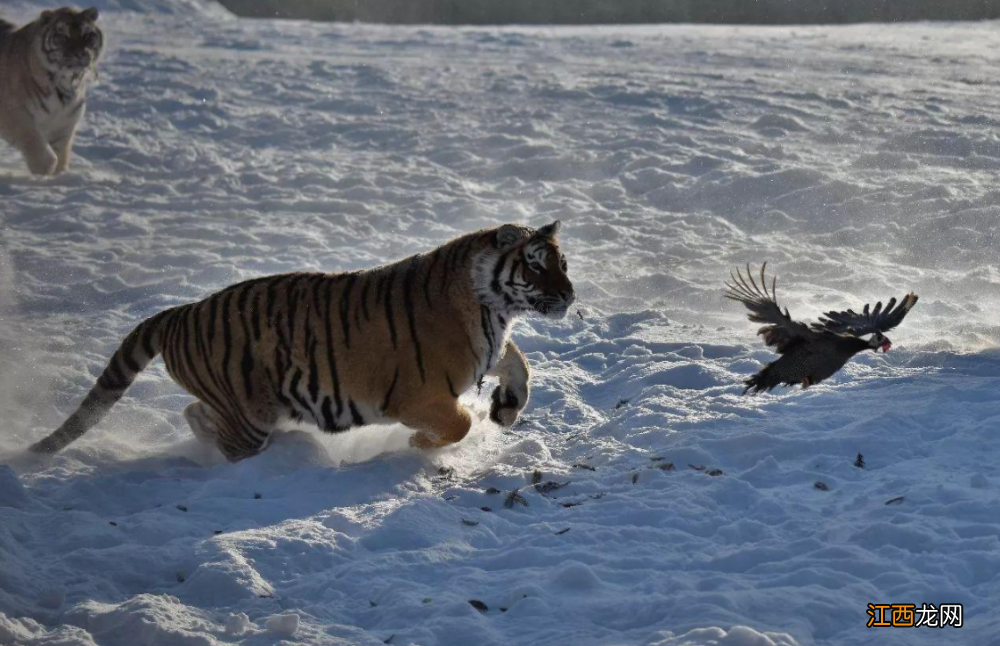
(59,103)
(496,327)
(495,320)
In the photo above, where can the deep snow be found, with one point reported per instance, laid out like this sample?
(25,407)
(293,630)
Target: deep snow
(861,161)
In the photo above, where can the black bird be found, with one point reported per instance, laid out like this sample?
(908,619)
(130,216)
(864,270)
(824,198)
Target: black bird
(811,353)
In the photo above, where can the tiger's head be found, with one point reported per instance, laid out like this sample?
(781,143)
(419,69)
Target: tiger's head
(69,41)
(528,272)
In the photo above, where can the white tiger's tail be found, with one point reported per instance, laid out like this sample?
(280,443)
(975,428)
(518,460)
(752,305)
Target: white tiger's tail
(139,348)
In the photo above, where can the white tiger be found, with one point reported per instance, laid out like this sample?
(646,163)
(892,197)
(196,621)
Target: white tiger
(44,69)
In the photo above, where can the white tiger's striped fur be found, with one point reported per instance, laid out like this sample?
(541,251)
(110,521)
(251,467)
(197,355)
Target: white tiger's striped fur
(44,69)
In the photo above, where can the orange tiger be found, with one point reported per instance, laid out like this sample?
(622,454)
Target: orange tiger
(399,342)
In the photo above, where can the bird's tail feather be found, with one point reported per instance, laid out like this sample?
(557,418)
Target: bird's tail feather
(765,380)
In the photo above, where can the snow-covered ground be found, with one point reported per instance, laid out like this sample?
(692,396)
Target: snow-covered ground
(861,161)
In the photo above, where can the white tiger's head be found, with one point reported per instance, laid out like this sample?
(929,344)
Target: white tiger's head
(526,272)
(68,40)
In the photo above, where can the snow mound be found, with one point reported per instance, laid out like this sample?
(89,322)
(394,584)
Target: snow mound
(237,624)
(283,625)
(735,636)
(28,632)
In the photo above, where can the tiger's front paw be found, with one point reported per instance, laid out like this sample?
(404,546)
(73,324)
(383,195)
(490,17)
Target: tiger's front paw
(505,407)
(41,161)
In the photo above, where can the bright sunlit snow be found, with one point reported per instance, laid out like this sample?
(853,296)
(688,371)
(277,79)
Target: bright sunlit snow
(862,162)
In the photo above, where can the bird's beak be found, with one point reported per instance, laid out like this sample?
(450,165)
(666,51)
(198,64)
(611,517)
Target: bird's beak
(886,345)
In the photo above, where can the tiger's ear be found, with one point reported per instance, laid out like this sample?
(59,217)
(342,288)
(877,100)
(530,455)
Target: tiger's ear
(550,231)
(47,15)
(508,235)
(90,14)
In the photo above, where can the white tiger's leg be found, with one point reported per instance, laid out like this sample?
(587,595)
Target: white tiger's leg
(64,149)
(39,155)
(511,396)
(198,416)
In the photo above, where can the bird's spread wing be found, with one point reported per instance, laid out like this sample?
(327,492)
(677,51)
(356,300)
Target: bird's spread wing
(781,332)
(869,321)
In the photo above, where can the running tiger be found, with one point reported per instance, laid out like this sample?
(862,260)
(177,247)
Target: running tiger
(44,68)
(396,343)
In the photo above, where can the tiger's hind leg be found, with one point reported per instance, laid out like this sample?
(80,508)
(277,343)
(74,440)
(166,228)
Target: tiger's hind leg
(199,418)
(236,440)
(438,423)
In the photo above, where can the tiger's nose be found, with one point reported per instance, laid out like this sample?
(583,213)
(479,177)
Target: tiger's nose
(568,297)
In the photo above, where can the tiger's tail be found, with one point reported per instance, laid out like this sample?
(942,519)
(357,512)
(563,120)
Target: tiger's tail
(139,348)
